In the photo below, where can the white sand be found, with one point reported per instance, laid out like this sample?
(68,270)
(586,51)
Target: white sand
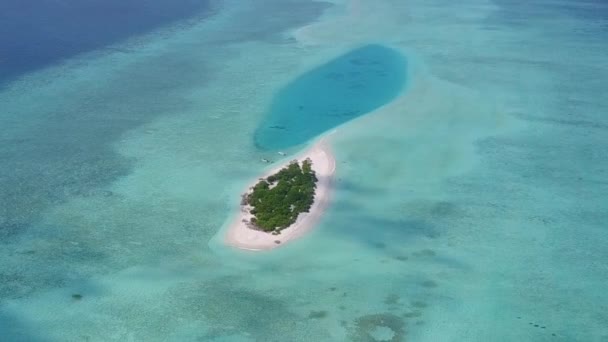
(241,236)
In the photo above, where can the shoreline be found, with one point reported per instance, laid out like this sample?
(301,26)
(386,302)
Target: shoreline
(239,235)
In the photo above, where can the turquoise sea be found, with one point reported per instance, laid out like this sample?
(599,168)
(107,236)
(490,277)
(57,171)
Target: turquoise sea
(346,87)
(471,199)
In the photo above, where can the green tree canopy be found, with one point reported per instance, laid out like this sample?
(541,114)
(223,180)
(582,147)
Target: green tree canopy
(280,198)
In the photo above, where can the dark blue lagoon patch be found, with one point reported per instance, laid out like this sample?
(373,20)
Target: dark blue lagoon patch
(347,87)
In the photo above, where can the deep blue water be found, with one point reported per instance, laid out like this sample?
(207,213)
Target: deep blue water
(349,86)
(528,13)
(35,34)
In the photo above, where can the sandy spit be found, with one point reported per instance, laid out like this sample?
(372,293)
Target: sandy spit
(239,235)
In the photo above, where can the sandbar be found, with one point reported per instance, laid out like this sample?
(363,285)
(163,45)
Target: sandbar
(240,235)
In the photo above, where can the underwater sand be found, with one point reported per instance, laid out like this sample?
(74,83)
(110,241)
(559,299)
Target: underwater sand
(471,206)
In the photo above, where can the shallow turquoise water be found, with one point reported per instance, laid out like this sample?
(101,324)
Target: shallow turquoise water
(340,90)
(471,207)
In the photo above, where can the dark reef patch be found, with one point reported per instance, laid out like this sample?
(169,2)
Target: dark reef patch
(401,257)
(429,284)
(419,304)
(392,299)
(318,314)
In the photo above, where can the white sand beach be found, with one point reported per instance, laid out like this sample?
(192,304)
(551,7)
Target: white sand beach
(323,163)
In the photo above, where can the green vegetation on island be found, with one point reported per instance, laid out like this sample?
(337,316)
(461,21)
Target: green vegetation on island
(279,199)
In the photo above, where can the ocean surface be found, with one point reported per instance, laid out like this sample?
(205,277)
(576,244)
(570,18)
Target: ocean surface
(471,195)
(34,35)
(351,85)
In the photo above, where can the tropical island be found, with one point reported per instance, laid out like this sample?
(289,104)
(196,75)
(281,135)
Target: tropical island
(278,200)
(285,203)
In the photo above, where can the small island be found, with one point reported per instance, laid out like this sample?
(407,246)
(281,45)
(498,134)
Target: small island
(277,200)
(285,203)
